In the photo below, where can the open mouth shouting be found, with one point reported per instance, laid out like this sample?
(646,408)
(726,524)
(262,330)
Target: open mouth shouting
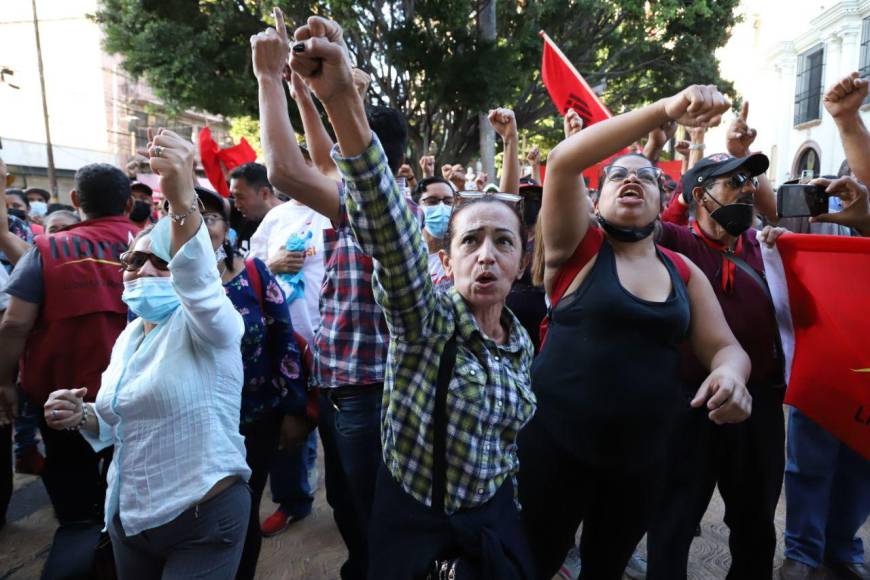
(630,194)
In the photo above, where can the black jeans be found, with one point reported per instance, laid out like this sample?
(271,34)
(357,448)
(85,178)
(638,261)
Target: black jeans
(747,461)
(261,444)
(351,437)
(75,479)
(408,536)
(558,491)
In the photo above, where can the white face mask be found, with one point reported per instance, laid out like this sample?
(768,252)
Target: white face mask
(38,208)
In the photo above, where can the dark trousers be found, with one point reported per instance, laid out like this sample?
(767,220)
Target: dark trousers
(746,460)
(406,536)
(204,542)
(290,479)
(75,479)
(350,430)
(261,443)
(5,471)
(558,492)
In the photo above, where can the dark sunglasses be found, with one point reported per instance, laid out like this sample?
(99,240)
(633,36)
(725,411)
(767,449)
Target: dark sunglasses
(619,173)
(133,260)
(737,181)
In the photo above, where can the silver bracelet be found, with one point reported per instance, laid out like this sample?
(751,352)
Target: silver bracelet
(83,420)
(697,146)
(179,218)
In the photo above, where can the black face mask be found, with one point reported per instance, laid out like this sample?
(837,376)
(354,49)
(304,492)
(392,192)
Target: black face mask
(141,211)
(735,218)
(630,235)
(19,213)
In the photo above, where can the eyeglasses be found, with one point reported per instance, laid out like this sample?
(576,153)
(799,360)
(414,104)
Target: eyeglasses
(736,181)
(646,174)
(432,200)
(466,196)
(133,260)
(211,219)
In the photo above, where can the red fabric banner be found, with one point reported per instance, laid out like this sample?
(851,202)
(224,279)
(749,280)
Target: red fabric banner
(217,161)
(566,86)
(828,279)
(208,154)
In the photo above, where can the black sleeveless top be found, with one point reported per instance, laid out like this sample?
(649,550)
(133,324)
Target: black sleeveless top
(607,378)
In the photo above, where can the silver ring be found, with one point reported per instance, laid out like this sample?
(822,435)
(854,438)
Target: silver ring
(157,151)
(54,414)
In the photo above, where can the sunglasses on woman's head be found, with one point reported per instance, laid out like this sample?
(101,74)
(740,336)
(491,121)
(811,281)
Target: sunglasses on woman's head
(133,260)
(646,174)
(466,196)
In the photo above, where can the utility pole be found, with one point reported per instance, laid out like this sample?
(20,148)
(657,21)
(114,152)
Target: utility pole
(486,23)
(52,177)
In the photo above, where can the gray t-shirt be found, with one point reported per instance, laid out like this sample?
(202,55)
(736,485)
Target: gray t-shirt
(26,281)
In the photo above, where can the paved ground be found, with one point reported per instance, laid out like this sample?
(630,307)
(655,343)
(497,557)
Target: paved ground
(310,550)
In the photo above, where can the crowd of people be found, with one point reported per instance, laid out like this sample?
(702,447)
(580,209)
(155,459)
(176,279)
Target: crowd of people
(489,366)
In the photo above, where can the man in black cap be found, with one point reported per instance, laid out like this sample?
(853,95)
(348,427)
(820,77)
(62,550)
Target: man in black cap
(746,460)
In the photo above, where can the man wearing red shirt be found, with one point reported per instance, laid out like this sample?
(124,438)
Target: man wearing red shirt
(64,314)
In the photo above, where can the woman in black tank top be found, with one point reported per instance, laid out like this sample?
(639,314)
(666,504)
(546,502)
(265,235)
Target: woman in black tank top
(606,377)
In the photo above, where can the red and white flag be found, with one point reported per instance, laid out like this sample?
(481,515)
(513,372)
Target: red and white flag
(821,291)
(567,87)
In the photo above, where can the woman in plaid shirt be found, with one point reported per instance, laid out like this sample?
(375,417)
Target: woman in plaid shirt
(488,396)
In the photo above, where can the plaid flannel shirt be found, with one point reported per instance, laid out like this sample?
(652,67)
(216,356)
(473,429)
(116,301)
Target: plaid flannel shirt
(350,345)
(489,398)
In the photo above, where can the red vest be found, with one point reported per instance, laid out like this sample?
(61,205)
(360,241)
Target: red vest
(82,313)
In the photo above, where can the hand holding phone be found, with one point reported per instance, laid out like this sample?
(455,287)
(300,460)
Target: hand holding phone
(801,200)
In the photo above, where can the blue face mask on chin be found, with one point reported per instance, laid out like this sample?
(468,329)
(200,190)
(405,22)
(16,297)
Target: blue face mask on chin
(152,299)
(437,218)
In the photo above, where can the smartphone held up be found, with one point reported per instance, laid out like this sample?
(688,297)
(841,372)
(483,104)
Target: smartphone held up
(801,200)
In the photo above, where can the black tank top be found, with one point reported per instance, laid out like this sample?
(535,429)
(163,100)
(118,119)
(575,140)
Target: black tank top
(607,377)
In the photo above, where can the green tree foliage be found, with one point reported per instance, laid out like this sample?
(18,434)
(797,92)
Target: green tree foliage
(426,57)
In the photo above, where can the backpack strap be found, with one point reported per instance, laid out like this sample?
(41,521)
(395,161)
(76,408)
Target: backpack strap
(679,263)
(439,425)
(256,281)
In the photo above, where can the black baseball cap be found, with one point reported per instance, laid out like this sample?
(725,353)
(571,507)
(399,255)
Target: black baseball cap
(214,201)
(723,164)
(143,187)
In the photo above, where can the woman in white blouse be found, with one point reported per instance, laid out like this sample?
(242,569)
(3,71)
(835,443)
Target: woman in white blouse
(177,504)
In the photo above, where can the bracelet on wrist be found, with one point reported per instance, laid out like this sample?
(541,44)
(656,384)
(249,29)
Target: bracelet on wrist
(697,146)
(179,218)
(83,420)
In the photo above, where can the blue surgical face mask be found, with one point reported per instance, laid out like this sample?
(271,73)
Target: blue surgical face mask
(38,208)
(152,299)
(437,218)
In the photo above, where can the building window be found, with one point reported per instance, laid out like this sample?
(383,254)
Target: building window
(864,63)
(808,164)
(808,93)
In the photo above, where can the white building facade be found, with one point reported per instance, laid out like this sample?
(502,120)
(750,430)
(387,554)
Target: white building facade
(782,58)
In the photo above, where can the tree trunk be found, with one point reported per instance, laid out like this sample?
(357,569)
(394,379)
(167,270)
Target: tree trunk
(486,23)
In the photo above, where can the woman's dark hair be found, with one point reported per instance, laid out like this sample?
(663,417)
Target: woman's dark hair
(46,197)
(392,130)
(423,184)
(212,201)
(103,190)
(53,207)
(19,193)
(457,209)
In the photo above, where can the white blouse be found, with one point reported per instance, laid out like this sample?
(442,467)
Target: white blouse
(170,401)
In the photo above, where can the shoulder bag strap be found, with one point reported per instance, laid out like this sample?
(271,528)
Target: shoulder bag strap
(439,425)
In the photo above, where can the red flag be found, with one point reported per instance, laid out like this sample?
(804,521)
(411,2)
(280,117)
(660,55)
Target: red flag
(208,153)
(237,155)
(820,288)
(567,87)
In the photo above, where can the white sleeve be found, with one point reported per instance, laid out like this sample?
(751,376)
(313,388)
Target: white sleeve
(196,280)
(104,437)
